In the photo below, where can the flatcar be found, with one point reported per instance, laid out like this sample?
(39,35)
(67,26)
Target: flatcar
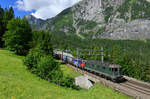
(108,70)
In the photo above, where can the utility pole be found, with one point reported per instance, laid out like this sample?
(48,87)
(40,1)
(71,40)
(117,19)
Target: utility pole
(62,55)
(102,55)
(77,53)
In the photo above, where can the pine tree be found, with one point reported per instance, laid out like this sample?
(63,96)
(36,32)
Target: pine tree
(11,13)
(5,16)
(8,15)
(1,25)
(45,43)
(116,53)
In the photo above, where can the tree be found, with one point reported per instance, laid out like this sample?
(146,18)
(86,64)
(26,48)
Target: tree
(116,53)
(8,15)
(18,36)
(44,43)
(5,16)
(1,25)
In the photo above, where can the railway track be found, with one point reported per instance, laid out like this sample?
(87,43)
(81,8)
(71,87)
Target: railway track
(131,88)
(134,87)
(139,84)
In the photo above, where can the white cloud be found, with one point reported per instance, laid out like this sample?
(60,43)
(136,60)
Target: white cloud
(44,8)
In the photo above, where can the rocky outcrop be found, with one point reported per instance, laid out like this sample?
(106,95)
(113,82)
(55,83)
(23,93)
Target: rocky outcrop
(33,20)
(36,23)
(136,29)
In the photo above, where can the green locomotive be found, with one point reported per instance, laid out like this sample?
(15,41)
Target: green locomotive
(107,70)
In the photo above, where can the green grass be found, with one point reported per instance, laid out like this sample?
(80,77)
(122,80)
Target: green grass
(18,83)
(68,71)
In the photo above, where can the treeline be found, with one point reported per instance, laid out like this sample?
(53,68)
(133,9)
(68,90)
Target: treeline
(5,16)
(36,46)
(132,55)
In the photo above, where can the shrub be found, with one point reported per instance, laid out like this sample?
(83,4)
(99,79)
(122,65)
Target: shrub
(69,83)
(31,60)
(49,69)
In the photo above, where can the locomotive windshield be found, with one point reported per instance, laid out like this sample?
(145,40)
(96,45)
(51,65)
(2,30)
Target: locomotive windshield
(116,71)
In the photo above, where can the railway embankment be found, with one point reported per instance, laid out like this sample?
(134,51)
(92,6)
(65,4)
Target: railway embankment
(137,81)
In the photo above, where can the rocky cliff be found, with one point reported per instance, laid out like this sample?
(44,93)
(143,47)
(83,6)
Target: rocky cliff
(112,19)
(36,23)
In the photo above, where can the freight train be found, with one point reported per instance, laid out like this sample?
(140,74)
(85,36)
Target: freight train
(107,70)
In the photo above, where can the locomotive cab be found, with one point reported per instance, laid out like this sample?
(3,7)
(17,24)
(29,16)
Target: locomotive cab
(116,72)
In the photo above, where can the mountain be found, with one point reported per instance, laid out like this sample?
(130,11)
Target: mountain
(112,19)
(37,23)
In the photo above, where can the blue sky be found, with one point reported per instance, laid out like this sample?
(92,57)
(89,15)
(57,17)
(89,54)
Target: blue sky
(39,8)
(8,3)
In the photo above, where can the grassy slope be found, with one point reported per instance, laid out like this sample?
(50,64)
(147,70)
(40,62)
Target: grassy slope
(18,83)
(68,71)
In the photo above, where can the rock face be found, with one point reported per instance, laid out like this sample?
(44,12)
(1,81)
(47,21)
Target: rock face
(33,20)
(116,19)
(93,10)
(112,19)
(136,29)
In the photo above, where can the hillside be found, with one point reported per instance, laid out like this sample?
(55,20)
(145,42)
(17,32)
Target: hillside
(18,83)
(113,19)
